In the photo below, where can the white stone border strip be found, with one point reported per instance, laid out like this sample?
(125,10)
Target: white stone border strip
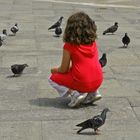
(91,4)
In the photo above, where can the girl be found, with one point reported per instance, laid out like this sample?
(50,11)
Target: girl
(80,73)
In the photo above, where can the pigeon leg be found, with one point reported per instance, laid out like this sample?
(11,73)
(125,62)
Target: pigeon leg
(124,46)
(96,132)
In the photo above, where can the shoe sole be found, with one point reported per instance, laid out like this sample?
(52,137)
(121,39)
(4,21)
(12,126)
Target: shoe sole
(78,101)
(93,100)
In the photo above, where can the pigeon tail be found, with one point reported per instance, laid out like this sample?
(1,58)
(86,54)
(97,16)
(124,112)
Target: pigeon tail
(80,130)
(0,43)
(104,33)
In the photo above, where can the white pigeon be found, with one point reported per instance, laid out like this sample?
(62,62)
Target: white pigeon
(3,36)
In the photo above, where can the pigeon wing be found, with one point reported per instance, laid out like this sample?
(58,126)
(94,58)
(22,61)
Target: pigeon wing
(13,29)
(97,121)
(57,24)
(21,68)
(85,124)
(14,69)
(111,29)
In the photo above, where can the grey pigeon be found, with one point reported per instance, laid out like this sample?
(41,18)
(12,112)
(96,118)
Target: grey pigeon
(125,40)
(17,69)
(103,60)
(58,31)
(0,42)
(14,29)
(57,24)
(111,29)
(3,36)
(95,122)
(95,25)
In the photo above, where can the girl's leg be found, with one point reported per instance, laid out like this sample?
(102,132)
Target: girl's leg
(62,90)
(76,97)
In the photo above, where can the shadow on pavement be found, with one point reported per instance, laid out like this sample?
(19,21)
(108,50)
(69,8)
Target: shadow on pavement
(88,133)
(54,102)
(50,102)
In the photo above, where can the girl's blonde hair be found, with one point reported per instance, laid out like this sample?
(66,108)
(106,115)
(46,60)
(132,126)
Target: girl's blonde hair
(80,29)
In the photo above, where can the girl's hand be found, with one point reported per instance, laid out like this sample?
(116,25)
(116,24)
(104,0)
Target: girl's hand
(54,70)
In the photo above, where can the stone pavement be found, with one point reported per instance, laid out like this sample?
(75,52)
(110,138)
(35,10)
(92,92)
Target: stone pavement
(30,109)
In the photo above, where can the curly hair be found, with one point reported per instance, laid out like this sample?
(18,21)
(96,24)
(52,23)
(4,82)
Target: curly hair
(80,29)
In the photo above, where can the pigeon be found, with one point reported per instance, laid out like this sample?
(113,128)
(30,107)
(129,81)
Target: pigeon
(3,36)
(57,24)
(103,60)
(111,29)
(17,69)
(58,31)
(95,26)
(0,42)
(14,29)
(95,122)
(125,40)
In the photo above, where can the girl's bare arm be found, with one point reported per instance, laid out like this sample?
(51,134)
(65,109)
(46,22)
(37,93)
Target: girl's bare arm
(65,63)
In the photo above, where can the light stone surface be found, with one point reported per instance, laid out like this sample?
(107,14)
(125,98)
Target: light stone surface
(30,109)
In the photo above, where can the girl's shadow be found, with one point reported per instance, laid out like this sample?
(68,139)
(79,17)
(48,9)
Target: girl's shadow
(54,102)
(49,102)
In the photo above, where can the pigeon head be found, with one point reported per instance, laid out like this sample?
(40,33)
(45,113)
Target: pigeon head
(116,23)
(103,114)
(61,17)
(25,65)
(106,110)
(125,34)
(4,31)
(16,24)
(104,54)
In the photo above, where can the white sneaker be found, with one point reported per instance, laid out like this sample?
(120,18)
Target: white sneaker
(77,98)
(92,97)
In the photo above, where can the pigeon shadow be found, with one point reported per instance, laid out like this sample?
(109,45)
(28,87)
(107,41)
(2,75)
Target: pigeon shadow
(88,133)
(122,47)
(13,76)
(56,36)
(11,35)
(57,102)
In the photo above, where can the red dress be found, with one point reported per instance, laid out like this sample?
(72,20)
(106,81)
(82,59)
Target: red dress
(85,74)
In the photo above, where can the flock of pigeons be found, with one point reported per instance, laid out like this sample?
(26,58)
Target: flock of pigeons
(4,34)
(112,29)
(17,69)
